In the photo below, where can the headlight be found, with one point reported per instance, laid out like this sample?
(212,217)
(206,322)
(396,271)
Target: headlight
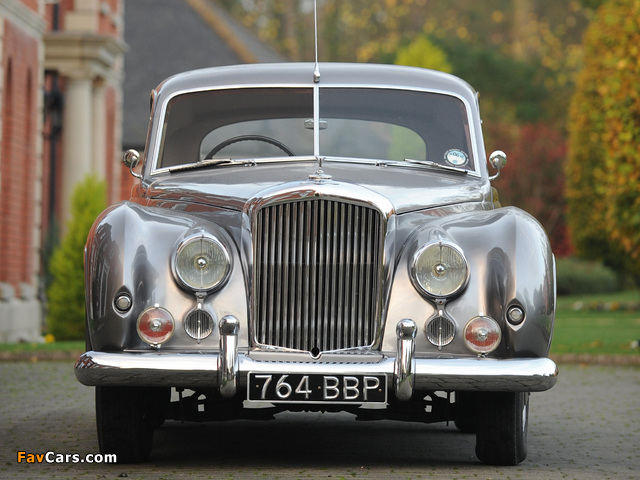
(439,269)
(202,263)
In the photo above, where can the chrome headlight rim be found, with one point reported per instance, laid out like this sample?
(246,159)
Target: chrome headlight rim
(180,276)
(413,268)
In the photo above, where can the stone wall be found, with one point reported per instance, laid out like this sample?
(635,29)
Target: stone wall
(20,314)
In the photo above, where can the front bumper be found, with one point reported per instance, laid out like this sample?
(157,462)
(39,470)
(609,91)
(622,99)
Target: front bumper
(228,369)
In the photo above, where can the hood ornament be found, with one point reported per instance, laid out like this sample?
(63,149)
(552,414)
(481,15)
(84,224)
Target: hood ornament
(320,176)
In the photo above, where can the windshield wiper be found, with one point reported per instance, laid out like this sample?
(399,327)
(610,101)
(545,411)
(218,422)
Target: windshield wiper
(438,166)
(214,162)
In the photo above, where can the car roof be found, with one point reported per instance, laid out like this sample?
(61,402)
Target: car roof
(301,74)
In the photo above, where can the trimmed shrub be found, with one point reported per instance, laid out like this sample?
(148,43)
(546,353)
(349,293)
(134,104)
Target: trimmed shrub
(66,300)
(577,277)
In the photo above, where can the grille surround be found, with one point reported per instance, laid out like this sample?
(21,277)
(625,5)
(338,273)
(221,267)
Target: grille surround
(317,274)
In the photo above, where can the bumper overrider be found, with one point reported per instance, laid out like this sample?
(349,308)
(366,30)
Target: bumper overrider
(228,369)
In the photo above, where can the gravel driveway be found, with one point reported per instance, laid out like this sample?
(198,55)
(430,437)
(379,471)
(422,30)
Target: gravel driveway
(586,427)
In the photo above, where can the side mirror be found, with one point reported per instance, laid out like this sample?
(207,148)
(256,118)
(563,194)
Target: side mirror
(498,160)
(131,158)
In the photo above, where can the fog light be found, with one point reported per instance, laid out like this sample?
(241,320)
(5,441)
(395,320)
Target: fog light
(482,335)
(198,324)
(155,326)
(440,331)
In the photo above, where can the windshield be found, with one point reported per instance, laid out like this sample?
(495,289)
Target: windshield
(360,123)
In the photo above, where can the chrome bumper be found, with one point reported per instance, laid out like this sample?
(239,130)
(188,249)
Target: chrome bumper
(228,369)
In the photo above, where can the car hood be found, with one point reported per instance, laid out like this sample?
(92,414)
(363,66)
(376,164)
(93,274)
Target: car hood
(407,188)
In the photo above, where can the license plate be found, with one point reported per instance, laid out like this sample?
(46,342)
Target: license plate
(315,388)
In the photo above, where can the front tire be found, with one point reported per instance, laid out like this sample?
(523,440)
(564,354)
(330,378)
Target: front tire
(125,418)
(467,406)
(501,437)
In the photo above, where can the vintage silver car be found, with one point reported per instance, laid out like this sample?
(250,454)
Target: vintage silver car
(308,238)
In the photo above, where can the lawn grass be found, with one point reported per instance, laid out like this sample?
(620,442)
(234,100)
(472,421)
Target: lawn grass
(626,297)
(72,346)
(597,324)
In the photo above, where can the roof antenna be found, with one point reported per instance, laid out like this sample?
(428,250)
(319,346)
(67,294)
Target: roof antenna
(316,70)
(319,176)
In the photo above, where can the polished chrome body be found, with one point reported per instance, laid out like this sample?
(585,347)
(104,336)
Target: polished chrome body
(228,358)
(428,374)
(405,365)
(320,259)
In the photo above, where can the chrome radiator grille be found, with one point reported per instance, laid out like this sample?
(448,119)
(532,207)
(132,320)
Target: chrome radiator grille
(316,275)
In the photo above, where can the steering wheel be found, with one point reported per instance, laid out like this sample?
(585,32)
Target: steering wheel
(247,138)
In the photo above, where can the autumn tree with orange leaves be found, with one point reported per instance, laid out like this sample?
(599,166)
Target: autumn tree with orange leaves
(603,169)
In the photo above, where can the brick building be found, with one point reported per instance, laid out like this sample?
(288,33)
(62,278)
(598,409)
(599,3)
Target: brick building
(60,96)
(22,26)
(62,86)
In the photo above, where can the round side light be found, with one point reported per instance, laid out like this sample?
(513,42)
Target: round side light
(155,326)
(515,315)
(123,302)
(482,335)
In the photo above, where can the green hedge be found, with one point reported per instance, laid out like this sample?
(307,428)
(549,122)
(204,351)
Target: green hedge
(576,277)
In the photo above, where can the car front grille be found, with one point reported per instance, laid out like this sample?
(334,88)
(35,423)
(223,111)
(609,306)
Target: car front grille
(317,270)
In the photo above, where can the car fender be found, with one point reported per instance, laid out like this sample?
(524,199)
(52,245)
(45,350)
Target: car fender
(510,262)
(129,251)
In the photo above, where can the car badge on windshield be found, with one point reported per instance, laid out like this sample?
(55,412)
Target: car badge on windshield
(456,158)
